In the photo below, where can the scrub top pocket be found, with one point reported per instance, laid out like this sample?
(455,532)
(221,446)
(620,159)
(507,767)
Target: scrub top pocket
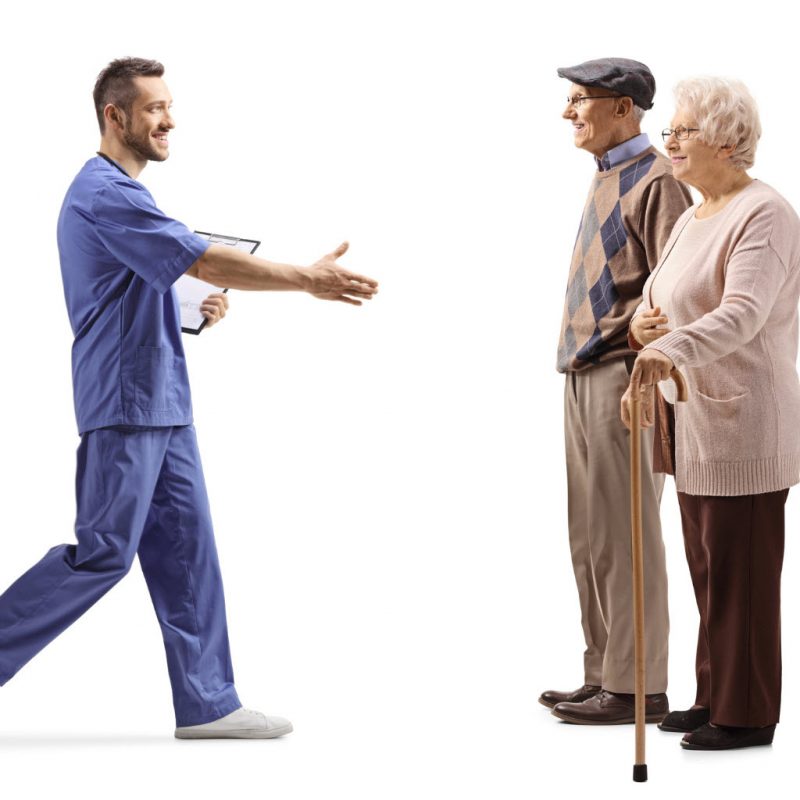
(154,378)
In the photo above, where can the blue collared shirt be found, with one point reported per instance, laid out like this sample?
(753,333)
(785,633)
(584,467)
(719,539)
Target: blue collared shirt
(623,152)
(120,256)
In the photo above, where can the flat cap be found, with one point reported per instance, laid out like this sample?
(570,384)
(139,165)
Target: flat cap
(622,76)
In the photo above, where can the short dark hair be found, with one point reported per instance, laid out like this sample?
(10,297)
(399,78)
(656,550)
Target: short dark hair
(115,84)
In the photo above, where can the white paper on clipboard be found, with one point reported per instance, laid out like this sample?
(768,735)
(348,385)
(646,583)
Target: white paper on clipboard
(192,291)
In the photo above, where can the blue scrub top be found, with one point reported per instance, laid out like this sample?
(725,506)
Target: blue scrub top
(120,256)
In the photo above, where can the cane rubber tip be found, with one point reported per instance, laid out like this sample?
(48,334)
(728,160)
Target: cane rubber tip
(640,773)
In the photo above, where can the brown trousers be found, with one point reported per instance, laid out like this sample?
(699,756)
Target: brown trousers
(598,485)
(734,546)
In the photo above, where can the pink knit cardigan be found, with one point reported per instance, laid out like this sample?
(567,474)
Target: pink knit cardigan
(734,336)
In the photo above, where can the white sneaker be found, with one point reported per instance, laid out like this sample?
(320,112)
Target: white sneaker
(239,724)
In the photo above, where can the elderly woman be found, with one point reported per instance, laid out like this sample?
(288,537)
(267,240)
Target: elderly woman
(721,306)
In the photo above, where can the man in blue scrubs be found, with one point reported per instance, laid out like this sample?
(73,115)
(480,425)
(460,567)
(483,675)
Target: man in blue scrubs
(140,488)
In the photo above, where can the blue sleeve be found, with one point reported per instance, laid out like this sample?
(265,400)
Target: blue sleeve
(140,236)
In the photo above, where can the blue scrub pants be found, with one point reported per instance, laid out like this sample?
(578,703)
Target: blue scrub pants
(139,492)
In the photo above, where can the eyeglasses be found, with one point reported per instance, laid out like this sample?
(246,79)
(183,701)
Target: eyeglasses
(680,132)
(577,100)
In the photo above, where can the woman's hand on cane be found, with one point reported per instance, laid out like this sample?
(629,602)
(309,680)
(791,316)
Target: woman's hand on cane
(650,367)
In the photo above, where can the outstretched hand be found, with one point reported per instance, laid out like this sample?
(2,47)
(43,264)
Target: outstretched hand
(329,281)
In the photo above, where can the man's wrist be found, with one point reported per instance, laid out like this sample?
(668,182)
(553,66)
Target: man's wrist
(287,277)
(300,278)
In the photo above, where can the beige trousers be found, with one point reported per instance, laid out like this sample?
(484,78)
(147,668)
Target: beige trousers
(598,486)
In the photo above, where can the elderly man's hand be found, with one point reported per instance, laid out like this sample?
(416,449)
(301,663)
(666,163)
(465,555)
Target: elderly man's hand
(213,308)
(645,327)
(329,281)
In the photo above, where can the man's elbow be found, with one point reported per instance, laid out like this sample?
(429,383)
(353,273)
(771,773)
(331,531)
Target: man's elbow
(204,269)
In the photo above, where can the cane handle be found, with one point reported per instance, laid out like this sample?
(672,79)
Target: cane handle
(680,383)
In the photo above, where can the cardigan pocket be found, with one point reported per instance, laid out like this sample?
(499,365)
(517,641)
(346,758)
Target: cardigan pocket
(724,380)
(738,396)
(717,386)
(716,425)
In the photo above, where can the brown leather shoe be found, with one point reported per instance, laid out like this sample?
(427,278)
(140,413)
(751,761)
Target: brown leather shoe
(719,737)
(607,708)
(552,698)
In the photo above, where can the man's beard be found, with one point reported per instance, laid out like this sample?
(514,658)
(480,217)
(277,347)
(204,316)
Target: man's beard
(142,145)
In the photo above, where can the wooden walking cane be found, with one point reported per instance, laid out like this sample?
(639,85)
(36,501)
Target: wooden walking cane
(634,407)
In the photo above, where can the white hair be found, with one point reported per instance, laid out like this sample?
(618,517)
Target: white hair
(638,113)
(726,114)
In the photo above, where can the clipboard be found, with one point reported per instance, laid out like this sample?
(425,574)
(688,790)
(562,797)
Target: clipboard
(192,291)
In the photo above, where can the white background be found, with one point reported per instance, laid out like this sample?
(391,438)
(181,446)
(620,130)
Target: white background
(387,482)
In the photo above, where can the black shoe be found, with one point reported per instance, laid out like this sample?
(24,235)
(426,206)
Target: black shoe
(685,721)
(719,737)
(552,698)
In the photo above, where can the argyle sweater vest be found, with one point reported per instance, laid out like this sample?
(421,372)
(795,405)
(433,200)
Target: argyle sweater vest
(628,217)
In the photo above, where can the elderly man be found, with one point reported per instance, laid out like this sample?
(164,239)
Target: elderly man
(632,205)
